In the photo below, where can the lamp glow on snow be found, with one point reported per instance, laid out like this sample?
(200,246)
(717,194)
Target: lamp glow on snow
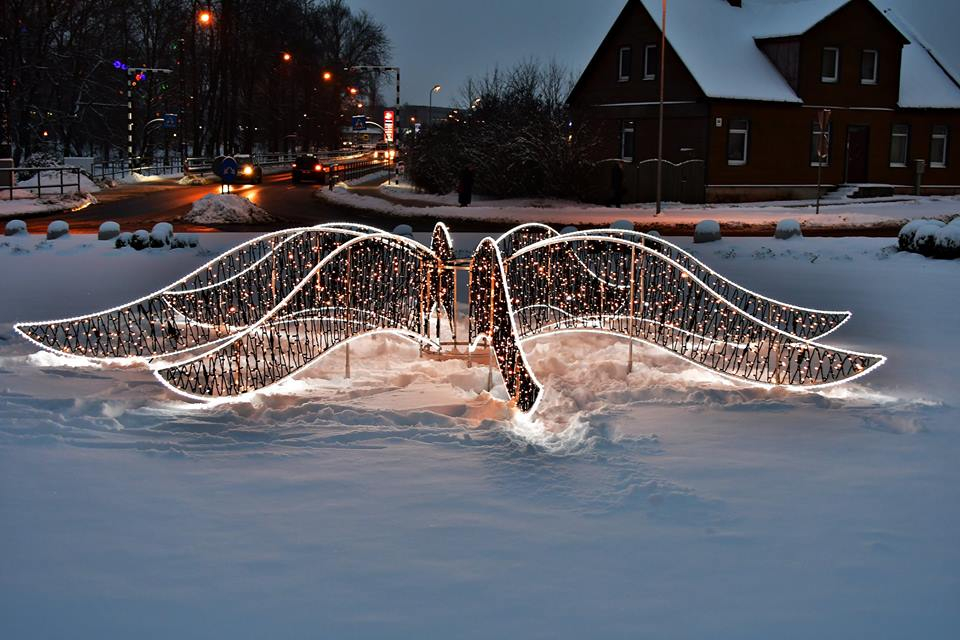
(273,306)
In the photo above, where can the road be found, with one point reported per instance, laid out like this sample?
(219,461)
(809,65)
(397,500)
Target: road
(293,205)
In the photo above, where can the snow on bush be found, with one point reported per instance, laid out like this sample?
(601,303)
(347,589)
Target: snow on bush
(622,225)
(947,242)
(38,159)
(123,240)
(932,238)
(57,229)
(108,231)
(15,228)
(161,235)
(654,233)
(140,239)
(404,230)
(226,209)
(787,229)
(707,231)
(183,241)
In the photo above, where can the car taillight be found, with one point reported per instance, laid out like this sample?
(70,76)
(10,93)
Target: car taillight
(326,169)
(294,165)
(318,168)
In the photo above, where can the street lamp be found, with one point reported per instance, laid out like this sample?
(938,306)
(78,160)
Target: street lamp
(327,76)
(436,89)
(205,18)
(287,57)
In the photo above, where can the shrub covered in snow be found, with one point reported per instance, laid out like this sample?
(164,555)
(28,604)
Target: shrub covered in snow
(108,231)
(654,233)
(57,229)
(182,241)
(140,239)
(161,235)
(15,228)
(787,229)
(568,229)
(38,159)
(707,231)
(932,238)
(622,225)
(123,240)
(227,208)
(404,230)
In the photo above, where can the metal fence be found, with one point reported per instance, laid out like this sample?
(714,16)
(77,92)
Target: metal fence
(67,180)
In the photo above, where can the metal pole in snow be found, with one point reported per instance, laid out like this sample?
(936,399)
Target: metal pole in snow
(663,51)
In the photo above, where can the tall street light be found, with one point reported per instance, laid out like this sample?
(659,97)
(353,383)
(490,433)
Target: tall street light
(663,57)
(436,89)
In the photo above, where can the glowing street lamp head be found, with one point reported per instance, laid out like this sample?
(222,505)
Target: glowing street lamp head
(327,76)
(205,18)
(436,88)
(287,57)
(353,91)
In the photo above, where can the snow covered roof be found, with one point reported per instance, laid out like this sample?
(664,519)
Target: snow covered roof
(718,44)
(924,82)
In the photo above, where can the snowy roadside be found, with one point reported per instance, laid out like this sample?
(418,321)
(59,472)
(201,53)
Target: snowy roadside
(26,204)
(882,215)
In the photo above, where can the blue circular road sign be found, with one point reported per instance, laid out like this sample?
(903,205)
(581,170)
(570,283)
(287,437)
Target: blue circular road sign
(228,170)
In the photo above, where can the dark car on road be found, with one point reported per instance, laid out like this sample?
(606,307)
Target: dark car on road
(248,171)
(309,167)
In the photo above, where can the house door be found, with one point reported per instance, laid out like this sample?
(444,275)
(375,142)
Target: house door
(858,141)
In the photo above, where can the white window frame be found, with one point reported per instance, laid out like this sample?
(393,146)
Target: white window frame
(876,65)
(945,136)
(746,141)
(906,145)
(627,126)
(624,77)
(836,66)
(815,134)
(646,62)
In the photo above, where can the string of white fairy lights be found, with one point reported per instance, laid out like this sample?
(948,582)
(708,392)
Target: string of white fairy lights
(268,308)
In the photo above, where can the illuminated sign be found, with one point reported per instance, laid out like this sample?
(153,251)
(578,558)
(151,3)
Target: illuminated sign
(388,125)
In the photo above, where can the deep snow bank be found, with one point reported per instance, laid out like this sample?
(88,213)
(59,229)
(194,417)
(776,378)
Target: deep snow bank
(227,208)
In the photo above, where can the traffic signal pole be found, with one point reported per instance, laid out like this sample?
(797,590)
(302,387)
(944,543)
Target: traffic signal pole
(130,73)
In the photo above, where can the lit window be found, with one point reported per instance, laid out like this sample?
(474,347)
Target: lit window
(626,141)
(938,147)
(651,61)
(899,145)
(626,63)
(830,65)
(737,139)
(868,67)
(820,145)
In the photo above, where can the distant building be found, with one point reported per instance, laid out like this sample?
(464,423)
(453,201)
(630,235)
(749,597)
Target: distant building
(745,83)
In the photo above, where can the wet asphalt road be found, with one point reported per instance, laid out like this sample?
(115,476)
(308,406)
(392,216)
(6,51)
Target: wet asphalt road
(293,205)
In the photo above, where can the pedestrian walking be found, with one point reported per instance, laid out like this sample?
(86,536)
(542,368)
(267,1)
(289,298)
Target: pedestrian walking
(465,186)
(616,183)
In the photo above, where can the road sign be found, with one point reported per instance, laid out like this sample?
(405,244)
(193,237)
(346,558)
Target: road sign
(823,144)
(169,121)
(388,124)
(359,123)
(228,170)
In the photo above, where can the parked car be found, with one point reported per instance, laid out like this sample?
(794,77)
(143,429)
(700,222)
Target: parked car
(309,167)
(384,151)
(248,171)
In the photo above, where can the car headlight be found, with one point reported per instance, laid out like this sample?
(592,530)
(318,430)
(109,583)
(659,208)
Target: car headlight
(248,170)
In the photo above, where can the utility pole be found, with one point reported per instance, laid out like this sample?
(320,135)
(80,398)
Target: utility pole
(381,70)
(663,56)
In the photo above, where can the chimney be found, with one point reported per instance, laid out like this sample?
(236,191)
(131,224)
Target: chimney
(736,3)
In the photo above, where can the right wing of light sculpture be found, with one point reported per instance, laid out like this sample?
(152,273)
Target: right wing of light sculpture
(612,285)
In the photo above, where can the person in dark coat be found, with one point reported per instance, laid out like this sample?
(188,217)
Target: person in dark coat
(465,187)
(616,183)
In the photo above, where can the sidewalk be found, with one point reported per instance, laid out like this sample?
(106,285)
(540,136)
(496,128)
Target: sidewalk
(839,216)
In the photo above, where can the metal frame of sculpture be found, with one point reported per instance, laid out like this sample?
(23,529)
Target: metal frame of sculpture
(272,306)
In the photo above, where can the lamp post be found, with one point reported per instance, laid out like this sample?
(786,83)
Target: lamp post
(139,73)
(436,89)
(663,51)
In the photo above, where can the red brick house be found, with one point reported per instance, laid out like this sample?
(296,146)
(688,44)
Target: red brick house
(744,85)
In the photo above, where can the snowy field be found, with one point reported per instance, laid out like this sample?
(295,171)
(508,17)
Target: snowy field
(405,504)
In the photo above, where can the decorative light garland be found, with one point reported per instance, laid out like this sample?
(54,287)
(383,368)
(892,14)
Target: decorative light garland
(267,309)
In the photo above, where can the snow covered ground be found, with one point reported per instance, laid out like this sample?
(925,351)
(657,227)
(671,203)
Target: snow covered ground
(837,211)
(403,503)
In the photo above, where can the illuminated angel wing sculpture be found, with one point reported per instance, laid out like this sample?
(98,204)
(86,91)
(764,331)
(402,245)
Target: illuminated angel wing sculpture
(269,308)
